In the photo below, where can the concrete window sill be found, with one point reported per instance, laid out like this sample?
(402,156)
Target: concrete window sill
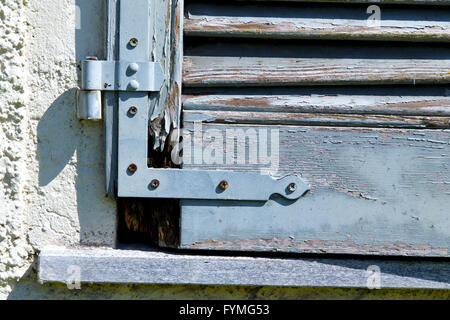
(98,265)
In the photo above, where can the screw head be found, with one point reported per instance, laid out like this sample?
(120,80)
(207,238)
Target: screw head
(223,185)
(292,187)
(133,67)
(132,111)
(134,85)
(132,168)
(154,184)
(133,42)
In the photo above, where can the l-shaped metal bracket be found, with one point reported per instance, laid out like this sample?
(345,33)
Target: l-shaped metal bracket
(135,78)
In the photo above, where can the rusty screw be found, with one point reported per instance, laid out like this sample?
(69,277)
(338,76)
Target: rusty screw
(154,184)
(134,42)
(132,111)
(132,168)
(223,185)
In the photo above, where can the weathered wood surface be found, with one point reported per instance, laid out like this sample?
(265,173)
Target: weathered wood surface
(314,119)
(166,37)
(158,113)
(322,103)
(334,110)
(315,22)
(153,267)
(373,191)
(263,71)
(380,181)
(110,101)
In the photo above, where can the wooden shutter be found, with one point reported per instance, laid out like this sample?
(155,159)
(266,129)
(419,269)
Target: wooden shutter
(361,112)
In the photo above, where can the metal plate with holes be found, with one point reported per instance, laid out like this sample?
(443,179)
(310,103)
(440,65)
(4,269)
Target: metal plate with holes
(203,184)
(135,178)
(121,75)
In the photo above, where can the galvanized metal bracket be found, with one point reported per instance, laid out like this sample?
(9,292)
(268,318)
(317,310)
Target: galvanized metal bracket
(98,76)
(207,185)
(137,76)
(136,79)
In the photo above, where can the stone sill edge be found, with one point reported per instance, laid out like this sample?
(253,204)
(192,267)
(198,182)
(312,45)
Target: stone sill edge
(105,265)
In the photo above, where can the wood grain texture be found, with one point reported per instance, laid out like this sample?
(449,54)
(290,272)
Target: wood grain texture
(315,22)
(167,48)
(314,119)
(322,103)
(110,101)
(373,191)
(262,71)
(158,114)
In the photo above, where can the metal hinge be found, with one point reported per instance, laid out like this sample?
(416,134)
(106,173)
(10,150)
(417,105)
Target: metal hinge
(134,78)
(122,76)
(207,185)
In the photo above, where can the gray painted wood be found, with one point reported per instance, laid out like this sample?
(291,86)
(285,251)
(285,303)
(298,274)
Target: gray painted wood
(373,191)
(261,71)
(167,47)
(314,119)
(110,102)
(152,267)
(337,110)
(273,20)
(355,104)
(379,177)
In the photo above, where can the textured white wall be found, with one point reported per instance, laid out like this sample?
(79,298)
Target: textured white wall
(51,165)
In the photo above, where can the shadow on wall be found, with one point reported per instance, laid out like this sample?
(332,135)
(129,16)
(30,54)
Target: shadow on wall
(63,139)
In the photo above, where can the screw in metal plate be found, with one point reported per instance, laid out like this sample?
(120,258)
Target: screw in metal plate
(133,42)
(292,187)
(133,68)
(134,85)
(132,111)
(132,168)
(223,185)
(154,184)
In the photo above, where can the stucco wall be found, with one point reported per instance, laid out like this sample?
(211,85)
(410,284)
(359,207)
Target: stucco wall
(51,165)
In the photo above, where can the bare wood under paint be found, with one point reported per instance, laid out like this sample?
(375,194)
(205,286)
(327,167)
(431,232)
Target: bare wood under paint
(322,103)
(167,47)
(315,22)
(261,71)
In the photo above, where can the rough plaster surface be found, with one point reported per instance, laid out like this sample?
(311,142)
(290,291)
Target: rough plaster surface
(51,165)
(15,250)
